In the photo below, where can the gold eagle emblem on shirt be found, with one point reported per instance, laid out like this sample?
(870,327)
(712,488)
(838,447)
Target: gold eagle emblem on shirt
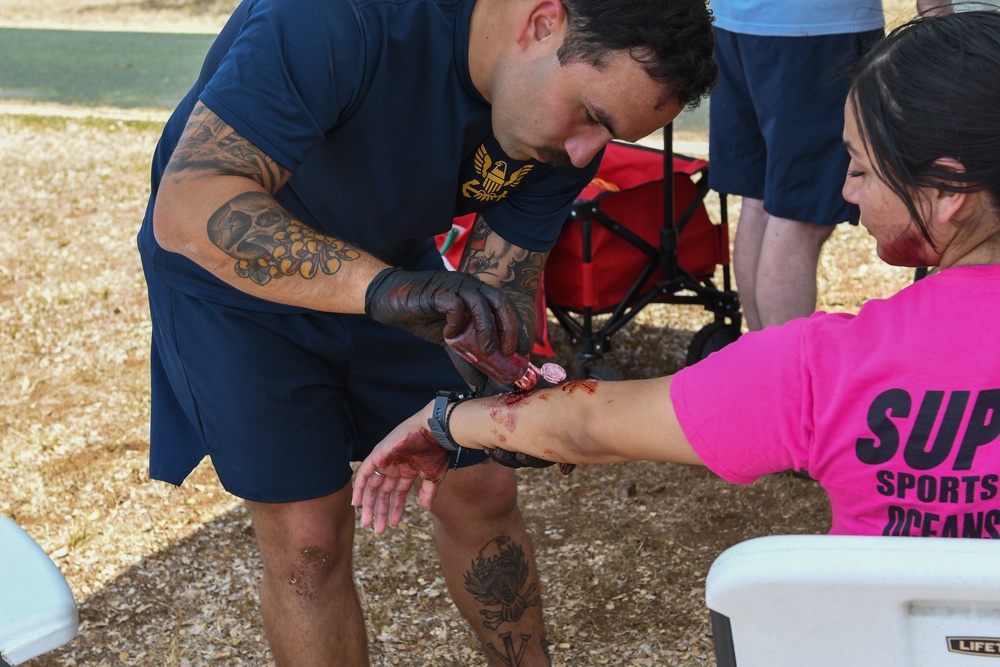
(494,183)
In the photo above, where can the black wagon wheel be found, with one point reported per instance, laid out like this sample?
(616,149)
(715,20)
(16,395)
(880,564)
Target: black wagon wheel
(711,338)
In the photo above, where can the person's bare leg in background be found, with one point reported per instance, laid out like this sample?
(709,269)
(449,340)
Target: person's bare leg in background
(775,261)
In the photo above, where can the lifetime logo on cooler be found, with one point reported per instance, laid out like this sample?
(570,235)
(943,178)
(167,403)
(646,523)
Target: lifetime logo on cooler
(985,646)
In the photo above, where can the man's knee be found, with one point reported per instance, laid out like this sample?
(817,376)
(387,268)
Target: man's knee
(305,543)
(480,493)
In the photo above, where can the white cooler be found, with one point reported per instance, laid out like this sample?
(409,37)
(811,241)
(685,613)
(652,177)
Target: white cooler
(845,601)
(37,609)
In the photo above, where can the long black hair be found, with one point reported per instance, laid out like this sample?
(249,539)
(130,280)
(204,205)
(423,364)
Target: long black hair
(672,39)
(931,90)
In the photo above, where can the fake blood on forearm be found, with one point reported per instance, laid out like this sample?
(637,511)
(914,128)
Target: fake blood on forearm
(513,369)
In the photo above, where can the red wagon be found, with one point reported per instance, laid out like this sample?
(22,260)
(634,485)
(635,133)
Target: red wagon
(623,248)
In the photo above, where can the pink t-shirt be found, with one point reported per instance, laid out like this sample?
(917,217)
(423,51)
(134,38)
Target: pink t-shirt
(895,411)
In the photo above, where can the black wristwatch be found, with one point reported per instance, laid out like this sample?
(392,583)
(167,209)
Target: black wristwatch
(441,413)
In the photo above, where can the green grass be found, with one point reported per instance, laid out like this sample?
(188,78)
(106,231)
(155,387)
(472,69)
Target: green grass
(121,69)
(127,69)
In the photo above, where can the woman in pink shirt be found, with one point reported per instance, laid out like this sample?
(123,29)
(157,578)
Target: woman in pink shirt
(894,411)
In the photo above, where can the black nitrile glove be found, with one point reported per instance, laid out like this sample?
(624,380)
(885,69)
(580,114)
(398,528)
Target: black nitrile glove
(521,460)
(437,304)
(477,380)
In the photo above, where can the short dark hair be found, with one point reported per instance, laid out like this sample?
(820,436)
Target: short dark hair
(931,90)
(672,39)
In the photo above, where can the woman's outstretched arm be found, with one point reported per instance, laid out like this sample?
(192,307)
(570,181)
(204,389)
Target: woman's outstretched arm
(581,422)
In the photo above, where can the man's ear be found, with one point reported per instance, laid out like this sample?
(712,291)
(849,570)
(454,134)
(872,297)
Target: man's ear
(546,19)
(945,204)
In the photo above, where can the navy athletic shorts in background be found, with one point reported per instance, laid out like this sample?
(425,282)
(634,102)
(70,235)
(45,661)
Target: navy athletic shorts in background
(776,122)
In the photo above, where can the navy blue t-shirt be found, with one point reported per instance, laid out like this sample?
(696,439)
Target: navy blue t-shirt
(370,104)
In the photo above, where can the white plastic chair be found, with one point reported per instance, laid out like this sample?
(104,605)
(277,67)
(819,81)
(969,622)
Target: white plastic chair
(37,610)
(843,601)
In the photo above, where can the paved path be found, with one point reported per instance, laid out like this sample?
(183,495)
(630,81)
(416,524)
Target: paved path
(127,70)
(139,76)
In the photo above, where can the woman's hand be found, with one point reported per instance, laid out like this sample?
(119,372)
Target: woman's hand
(386,476)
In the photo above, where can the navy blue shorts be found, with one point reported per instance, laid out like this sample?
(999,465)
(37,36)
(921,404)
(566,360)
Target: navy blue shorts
(776,122)
(282,403)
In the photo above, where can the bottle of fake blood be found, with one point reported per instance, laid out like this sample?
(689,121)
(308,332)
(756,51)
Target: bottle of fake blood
(514,368)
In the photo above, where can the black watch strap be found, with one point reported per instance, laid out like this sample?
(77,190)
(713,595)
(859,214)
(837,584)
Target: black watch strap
(440,414)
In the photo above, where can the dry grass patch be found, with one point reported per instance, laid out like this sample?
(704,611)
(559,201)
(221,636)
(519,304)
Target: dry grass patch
(200,16)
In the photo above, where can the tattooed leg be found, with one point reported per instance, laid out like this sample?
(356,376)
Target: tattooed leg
(489,564)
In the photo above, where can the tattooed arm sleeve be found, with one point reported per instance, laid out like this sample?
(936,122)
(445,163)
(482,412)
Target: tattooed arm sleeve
(215,205)
(498,262)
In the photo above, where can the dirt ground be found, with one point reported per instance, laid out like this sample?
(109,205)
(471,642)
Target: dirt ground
(168,576)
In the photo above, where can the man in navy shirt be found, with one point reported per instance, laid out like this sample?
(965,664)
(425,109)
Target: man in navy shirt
(298,301)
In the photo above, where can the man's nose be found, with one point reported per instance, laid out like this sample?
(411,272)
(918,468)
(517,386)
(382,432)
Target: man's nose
(582,147)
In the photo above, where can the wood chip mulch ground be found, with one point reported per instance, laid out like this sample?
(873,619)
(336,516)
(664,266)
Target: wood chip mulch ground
(167,576)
